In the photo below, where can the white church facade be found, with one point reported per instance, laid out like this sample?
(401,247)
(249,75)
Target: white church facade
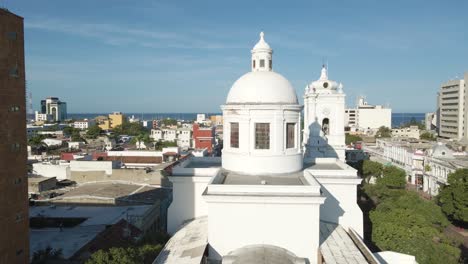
(272,197)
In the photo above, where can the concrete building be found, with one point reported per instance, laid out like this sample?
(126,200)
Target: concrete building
(14,224)
(260,202)
(453,109)
(54,107)
(406,132)
(368,117)
(39,117)
(84,124)
(203,137)
(110,122)
(430,121)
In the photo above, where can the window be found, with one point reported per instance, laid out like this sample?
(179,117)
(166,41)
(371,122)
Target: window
(271,64)
(14,108)
(15,147)
(253,64)
(262,135)
(14,71)
(11,35)
(326,126)
(234,135)
(290,131)
(262,63)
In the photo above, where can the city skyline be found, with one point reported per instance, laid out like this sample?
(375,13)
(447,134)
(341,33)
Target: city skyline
(102,57)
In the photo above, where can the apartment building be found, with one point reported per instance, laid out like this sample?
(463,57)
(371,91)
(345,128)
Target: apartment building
(366,116)
(452,109)
(14,223)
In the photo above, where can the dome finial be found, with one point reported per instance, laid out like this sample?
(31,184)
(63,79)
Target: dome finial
(323,74)
(262,35)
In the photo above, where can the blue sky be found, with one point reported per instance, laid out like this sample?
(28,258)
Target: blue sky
(183,56)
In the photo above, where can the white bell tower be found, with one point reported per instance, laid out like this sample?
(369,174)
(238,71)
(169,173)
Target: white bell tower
(324,107)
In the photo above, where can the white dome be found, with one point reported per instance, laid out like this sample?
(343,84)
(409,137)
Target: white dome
(262,87)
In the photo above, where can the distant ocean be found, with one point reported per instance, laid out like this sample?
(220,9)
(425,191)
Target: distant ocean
(397,118)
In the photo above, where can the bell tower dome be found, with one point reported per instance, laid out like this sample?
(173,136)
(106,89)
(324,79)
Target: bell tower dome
(324,107)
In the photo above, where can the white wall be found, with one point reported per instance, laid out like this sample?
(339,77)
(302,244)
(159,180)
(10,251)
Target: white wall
(61,171)
(248,221)
(107,166)
(375,118)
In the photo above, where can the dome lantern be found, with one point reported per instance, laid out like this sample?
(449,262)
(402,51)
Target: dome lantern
(262,55)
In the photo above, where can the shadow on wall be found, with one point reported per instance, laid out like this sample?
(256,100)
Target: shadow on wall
(317,143)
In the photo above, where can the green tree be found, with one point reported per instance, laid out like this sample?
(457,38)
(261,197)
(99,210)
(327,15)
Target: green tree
(412,225)
(159,145)
(392,177)
(131,255)
(384,132)
(93,132)
(36,140)
(46,255)
(169,122)
(141,138)
(371,169)
(352,139)
(131,129)
(427,136)
(69,130)
(453,197)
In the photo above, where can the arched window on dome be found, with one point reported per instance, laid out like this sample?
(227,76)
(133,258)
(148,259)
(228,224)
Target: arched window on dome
(326,126)
(253,64)
(290,135)
(271,64)
(262,63)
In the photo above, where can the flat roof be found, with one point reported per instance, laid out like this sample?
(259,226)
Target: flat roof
(235,178)
(113,190)
(203,164)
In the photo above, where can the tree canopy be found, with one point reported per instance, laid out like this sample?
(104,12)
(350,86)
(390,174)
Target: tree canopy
(371,169)
(411,225)
(131,129)
(453,197)
(392,177)
(427,136)
(131,255)
(352,139)
(384,132)
(93,131)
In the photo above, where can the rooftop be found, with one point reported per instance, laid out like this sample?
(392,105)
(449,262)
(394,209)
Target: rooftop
(337,246)
(234,178)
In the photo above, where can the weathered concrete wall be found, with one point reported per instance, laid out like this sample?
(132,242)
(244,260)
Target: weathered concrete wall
(126,175)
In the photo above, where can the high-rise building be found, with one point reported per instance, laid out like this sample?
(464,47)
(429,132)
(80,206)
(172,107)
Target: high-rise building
(54,107)
(452,109)
(14,223)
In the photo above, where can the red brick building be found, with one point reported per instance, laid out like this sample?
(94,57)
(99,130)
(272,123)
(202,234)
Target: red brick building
(203,137)
(14,218)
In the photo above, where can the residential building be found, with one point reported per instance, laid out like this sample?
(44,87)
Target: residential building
(184,138)
(84,124)
(201,118)
(441,161)
(14,224)
(406,132)
(39,117)
(216,120)
(116,119)
(368,117)
(203,137)
(430,121)
(54,107)
(453,109)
